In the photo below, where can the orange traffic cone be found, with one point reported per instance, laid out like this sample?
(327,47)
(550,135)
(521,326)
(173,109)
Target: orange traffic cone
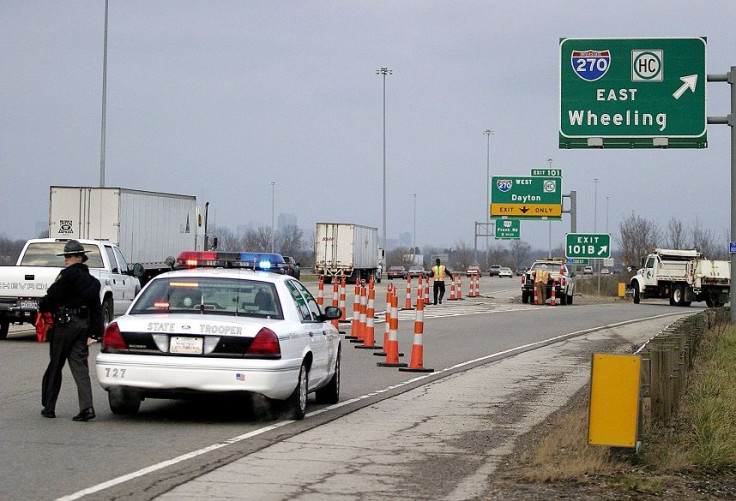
(320,291)
(342,302)
(407,303)
(392,347)
(416,364)
(552,300)
(369,338)
(360,334)
(452,290)
(356,312)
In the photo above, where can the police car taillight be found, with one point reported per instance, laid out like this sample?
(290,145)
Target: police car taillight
(266,342)
(113,338)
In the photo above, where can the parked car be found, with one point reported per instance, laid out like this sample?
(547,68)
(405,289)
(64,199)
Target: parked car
(231,331)
(417,271)
(505,271)
(396,272)
(588,270)
(292,267)
(604,271)
(493,271)
(473,269)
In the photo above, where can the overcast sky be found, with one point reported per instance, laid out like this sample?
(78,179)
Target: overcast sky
(219,98)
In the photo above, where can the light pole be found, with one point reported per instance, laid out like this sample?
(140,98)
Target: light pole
(549,255)
(487,209)
(273,230)
(595,204)
(104,106)
(384,72)
(414,233)
(607,200)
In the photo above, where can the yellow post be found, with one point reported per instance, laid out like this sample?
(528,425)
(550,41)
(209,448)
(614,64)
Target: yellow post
(614,400)
(621,289)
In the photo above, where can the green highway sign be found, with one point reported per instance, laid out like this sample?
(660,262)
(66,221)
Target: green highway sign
(526,197)
(588,245)
(633,93)
(578,260)
(547,172)
(508,229)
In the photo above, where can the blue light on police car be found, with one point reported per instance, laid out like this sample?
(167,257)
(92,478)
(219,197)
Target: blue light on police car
(265,265)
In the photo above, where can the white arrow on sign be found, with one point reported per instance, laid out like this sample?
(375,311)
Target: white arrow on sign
(604,250)
(690,82)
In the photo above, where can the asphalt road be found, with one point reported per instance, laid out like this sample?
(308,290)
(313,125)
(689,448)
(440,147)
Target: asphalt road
(48,459)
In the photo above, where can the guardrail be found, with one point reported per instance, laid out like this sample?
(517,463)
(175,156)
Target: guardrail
(666,360)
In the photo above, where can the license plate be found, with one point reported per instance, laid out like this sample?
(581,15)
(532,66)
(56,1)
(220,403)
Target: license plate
(28,304)
(186,345)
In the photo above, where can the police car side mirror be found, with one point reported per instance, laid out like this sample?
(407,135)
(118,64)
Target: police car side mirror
(332,313)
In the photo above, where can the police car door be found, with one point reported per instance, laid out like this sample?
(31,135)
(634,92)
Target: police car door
(315,330)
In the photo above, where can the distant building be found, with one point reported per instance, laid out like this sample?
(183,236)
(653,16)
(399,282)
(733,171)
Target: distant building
(286,220)
(405,239)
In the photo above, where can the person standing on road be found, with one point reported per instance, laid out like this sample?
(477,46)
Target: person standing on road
(541,276)
(74,301)
(438,272)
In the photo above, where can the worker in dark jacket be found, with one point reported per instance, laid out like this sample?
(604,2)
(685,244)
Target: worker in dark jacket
(74,301)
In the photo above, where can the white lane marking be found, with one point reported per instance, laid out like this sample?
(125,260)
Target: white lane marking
(260,431)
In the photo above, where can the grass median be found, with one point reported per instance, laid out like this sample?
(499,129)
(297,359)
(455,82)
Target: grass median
(693,458)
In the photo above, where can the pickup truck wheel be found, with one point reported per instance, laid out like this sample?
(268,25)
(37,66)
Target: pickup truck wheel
(637,294)
(524,297)
(4,328)
(709,301)
(569,298)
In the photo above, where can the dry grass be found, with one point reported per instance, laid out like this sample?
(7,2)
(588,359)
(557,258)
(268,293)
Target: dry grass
(701,442)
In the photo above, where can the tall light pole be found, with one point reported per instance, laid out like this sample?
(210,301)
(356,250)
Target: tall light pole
(607,200)
(273,230)
(414,233)
(384,72)
(595,204)
(487,209)
(549,255)
(104,106)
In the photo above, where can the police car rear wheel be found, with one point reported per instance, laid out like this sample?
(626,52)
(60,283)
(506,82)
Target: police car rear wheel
(4,328)
(123,401)
(330,394)
(296,404)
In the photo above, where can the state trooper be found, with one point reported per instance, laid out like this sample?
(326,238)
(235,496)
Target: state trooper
(74,302)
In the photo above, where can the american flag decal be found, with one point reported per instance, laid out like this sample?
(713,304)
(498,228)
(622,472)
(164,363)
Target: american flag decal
(239,376)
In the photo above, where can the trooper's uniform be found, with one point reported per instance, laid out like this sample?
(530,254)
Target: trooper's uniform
(74,301)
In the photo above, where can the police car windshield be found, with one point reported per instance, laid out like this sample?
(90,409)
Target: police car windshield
(209,296)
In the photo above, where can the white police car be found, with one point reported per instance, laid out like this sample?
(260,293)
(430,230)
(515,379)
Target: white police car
(219,330)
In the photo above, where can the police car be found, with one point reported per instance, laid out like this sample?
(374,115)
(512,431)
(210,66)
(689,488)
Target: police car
(227,327)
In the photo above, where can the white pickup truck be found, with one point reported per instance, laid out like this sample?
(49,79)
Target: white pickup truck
(683,276)
(23,285)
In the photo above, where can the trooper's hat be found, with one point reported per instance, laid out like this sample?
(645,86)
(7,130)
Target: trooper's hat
(74,248)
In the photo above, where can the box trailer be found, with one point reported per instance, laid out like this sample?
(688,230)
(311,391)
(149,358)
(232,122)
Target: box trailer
(148,227)
(349,250)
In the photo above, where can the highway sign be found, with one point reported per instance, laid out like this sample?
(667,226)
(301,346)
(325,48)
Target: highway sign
(577,260)
(547,172)
(633,93)
(508,229)
(588,245)
(526,197)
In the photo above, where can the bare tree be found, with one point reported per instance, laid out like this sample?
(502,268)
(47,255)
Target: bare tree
(10,249)
(291,242)
(520,252)
(226,239)
(676,237)
(637,237)
(463,255)
(704,240)
(258,240)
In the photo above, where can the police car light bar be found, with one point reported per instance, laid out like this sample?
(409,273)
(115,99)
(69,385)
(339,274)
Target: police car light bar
(215,259)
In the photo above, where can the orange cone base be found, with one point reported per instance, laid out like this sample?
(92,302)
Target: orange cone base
(383,354)
(351,337)
(386,364)
(405,309)
(356,340)
(410,369)
(374,347)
